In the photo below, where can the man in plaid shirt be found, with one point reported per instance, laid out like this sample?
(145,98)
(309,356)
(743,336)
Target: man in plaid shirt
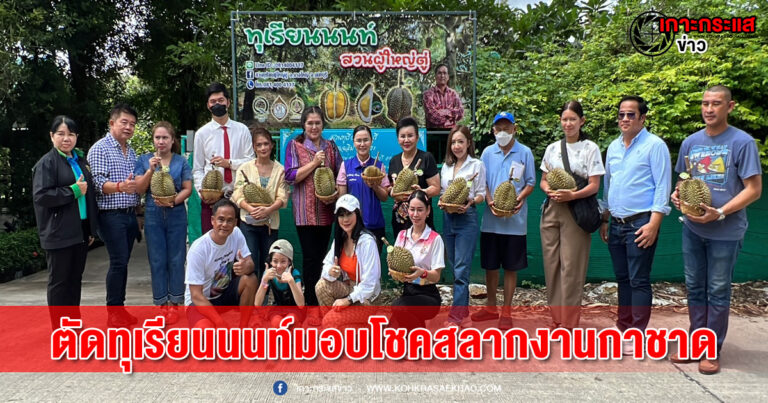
(112,161)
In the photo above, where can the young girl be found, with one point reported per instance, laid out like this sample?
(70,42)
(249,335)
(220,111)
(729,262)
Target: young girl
(285,282)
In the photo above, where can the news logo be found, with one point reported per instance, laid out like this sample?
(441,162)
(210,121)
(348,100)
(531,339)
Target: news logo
(653,33)
(646,37)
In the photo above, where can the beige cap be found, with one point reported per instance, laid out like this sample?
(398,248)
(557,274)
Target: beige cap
(282,247)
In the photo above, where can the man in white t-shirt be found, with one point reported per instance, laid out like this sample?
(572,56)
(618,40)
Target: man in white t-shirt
(219,271)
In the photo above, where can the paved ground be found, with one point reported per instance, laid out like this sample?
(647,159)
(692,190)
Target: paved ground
(744,377)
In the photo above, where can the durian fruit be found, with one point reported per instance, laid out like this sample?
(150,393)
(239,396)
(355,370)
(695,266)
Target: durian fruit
(398,258)
(399,101)
(505,196)
(325,185)
(560,179)
(406,179)
(213,180)
(161,183)
(368,103)
(373,170)
(458,191)
(334,101)
(254,193)
(692,193)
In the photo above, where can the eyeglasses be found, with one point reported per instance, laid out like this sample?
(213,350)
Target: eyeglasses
(628,115)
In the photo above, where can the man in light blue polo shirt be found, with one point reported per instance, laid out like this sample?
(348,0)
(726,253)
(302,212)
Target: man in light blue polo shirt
(503,240)
(636,188)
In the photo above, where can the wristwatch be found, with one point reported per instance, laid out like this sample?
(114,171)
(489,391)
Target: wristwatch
(722,214)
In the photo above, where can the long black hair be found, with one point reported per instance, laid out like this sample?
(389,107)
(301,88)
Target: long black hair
(304,116)
(575,106)
(340,236)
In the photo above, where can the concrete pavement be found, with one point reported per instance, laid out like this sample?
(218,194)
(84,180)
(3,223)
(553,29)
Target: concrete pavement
(744,376)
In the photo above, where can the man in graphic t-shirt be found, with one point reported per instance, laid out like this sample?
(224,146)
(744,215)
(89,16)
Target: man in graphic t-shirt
(219,271)
(726,159)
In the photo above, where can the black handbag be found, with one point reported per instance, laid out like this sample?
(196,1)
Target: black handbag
(585,211)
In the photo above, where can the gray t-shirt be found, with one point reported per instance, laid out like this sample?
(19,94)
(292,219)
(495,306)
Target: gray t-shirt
(723,162)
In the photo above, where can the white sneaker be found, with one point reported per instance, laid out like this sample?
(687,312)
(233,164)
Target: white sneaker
(628,348)
(465,323)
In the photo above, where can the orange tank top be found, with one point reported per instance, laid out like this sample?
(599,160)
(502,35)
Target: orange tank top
(349,265)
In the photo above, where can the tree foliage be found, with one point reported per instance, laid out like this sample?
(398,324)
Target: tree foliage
(604,66)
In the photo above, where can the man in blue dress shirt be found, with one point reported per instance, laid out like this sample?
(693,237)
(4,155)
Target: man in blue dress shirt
(637,186)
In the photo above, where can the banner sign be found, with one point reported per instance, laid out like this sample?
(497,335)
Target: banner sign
(371,68)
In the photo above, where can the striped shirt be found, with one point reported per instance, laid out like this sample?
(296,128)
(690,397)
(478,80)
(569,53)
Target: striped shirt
(109,164)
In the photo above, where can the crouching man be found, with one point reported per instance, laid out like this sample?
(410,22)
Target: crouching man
(219,271)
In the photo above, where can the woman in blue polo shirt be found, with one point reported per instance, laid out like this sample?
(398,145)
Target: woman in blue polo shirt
(350,181)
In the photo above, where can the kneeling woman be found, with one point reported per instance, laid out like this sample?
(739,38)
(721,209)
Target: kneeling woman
(351,269)
(419,291)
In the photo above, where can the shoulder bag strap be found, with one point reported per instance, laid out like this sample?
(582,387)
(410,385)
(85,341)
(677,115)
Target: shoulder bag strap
(564,152)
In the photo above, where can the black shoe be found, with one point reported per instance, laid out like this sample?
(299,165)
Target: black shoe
(117,319)
(131,319)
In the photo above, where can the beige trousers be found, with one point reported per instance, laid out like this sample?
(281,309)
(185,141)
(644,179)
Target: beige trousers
(565,250)
(328,292)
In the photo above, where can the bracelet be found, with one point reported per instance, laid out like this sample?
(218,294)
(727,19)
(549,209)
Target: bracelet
(424,275)
(118,187)
(264,284)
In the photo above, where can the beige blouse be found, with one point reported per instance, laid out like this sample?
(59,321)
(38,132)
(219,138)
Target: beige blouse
(277,188)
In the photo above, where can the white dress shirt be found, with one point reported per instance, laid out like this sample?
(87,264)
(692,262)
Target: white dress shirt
(209,142)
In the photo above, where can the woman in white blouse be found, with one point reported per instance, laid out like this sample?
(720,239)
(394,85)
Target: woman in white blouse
(351,268)
(420,299)
(564,244)
(460,229)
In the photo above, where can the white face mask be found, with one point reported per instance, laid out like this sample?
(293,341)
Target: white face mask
(503,138)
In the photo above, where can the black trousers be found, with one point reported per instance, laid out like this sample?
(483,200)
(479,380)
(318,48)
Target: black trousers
(417,305)
(314,245)
(65,275)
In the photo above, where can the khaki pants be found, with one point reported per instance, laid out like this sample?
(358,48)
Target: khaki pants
(565,250)
(328,292)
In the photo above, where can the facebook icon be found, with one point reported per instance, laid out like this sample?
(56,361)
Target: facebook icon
(280,387)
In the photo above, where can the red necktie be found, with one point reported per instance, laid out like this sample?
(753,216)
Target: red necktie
(227,171)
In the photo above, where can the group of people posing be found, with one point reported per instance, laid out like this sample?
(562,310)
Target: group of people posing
(240,259)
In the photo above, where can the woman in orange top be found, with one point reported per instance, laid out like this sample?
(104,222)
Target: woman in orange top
(351,269)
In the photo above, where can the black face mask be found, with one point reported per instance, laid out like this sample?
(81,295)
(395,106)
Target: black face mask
(219,110)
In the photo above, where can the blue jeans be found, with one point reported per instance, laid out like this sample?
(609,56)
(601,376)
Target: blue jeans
(632,266)
(166,232)
(460,237)
(118,230)
(258,239)
(709,268)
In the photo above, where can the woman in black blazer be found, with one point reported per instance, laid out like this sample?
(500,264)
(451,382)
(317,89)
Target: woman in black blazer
(66,213)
